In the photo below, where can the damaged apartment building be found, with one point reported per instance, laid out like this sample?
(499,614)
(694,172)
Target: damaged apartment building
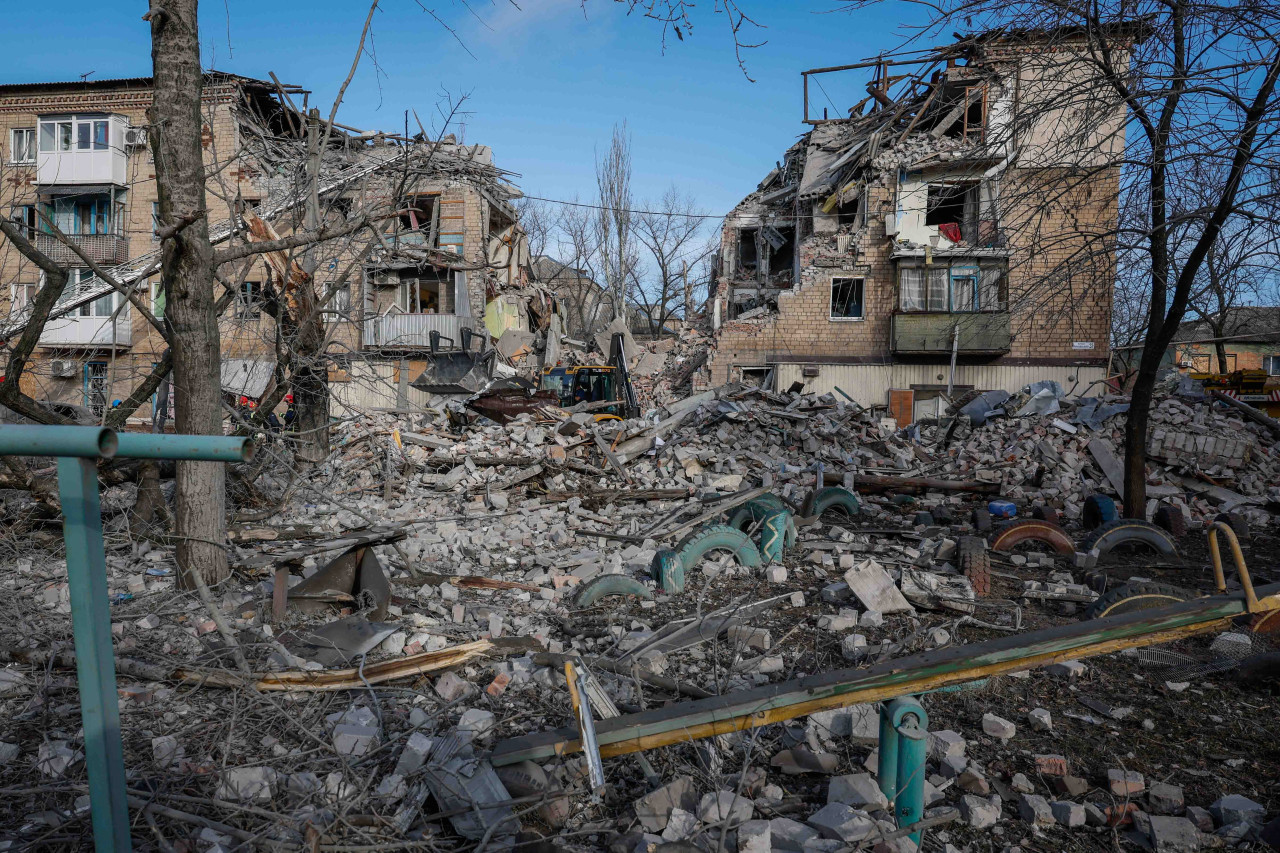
(952,234)
(449,251)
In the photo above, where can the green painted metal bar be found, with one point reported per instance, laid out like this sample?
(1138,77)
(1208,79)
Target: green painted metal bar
(77,449)
(95,663)
(913,674)
(904,729)
(210,448)
(86,442)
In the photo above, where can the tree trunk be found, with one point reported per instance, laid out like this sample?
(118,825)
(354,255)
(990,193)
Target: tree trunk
(310,376)
(1221,349)
(1135,440)
(176,121)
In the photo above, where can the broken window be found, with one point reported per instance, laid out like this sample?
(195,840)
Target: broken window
(420,220)
(975,114)
(953,208)
(853,209)
(846,298)
(24,216)
(426,293)
(249,301)
(747,260)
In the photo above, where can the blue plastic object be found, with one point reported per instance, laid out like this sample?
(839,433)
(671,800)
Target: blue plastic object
(1002,509)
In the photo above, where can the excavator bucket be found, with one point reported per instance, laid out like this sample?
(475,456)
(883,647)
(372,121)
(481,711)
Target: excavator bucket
(455,371)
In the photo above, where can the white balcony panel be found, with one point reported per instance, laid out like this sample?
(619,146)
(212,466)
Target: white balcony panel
(76,331)
(395,331)
(81,167)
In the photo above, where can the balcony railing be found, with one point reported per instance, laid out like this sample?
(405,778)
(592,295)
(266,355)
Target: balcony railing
(101,248)
(985,333)
(87,332)
(411,331)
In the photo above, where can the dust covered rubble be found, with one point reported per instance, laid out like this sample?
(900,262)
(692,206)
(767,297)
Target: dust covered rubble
(470,512)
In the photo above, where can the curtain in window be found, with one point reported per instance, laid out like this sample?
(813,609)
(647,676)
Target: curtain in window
(962,293)
(911,284)
(938,288)
(989,290)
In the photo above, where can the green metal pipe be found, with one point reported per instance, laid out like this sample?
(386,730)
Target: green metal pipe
(210,448)
(95,663)
(88,442)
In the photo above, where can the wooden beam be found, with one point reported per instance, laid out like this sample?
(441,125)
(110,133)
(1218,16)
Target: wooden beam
(775,703)
(1255,415)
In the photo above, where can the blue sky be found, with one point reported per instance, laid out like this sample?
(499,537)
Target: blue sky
(544,83)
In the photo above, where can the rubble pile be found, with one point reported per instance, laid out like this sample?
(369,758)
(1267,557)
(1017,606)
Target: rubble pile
(406,611)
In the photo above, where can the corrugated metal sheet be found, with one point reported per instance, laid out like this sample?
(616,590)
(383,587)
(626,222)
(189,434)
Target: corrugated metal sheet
(869,384)
(373,386)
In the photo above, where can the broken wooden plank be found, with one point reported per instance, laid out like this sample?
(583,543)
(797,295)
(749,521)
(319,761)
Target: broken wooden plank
(720,508)
(746,709)
(350,678)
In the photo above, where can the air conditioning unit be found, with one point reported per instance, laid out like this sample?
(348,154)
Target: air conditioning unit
(386,278)
(64,368)
(135,137)
(890,225)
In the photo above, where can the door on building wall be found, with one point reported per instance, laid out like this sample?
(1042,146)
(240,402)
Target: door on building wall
(95,387)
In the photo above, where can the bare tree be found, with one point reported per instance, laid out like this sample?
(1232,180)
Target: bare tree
(672,232)
(187,270)
(614,222)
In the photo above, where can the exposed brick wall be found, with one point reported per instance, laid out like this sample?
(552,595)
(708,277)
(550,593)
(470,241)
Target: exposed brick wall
(1061,271)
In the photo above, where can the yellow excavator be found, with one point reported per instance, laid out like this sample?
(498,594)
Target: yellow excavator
(1247,386)
(596,383)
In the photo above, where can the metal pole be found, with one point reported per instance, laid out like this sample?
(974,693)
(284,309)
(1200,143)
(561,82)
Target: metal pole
(95,662)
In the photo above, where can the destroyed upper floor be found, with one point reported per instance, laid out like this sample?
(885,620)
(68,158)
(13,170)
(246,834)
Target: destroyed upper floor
(939,131)
(76,158)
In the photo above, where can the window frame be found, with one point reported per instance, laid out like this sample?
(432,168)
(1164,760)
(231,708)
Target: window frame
(967,268)
(248,302)
(1272,364)
(14,148)
(861,284)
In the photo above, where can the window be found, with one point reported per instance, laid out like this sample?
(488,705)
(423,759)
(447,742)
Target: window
(853,209)
(24,216)
(341,302)
(420,221)
(425,296)
(94,213)
(846,299)
(975,114)
(962,287)
(56,135)
(1272,364)
(75,133)
(249,301)
(95,387)
(949,203)
(22,145)
(157,298)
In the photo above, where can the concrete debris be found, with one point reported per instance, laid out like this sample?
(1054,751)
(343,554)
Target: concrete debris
(485,536)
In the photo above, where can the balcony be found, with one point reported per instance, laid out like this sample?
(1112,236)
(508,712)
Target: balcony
(985,333)
(413,331)
(101,248)
(82,149)
(88,332)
